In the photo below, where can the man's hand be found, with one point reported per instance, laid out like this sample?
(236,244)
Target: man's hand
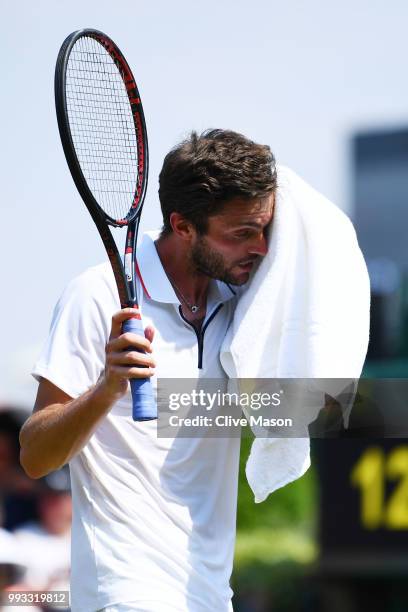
(60,426)
(127,356)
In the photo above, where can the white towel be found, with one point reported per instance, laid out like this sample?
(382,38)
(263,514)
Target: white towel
(304,314)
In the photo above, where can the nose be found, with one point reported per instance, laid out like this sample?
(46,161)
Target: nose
(259,246)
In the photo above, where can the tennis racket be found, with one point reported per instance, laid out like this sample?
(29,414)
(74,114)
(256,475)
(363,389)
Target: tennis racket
(103,134)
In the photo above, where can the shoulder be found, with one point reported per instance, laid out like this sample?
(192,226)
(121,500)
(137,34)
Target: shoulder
(94,280)
(90,299)
(95,285)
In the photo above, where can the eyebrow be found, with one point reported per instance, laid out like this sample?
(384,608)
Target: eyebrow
(252,224)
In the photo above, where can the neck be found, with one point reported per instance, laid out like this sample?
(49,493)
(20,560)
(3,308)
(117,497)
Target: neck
(174,255)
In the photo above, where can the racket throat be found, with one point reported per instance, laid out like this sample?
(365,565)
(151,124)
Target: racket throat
(129,264)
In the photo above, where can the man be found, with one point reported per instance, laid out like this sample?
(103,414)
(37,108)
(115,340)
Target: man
(154,519)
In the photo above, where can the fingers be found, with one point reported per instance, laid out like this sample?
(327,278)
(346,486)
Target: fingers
(122,366)
(118,319)
(149,333)
(130,358)
(129,341)
(116,332)
(124,372)
(128,355)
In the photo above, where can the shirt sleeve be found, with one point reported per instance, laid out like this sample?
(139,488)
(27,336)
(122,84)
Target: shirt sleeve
(73,356)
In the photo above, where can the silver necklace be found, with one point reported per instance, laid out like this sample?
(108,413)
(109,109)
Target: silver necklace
(193,307)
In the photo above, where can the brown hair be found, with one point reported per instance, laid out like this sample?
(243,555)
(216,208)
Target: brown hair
(203,172)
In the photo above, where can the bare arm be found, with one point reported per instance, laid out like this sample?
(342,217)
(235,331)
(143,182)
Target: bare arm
(61,426)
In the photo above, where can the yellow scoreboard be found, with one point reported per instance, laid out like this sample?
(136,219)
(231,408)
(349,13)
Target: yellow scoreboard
(363,499)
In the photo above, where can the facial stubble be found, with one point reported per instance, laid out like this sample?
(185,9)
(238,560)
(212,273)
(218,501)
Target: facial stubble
(207,261)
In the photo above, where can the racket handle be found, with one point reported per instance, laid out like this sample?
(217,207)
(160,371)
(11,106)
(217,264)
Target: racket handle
(143,403)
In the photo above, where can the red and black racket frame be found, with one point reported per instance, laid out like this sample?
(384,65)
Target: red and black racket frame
(125,282)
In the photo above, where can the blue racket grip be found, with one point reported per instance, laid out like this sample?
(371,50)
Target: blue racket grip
(143,403)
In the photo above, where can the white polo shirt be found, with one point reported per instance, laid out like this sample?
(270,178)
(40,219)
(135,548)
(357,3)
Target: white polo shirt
(154,519)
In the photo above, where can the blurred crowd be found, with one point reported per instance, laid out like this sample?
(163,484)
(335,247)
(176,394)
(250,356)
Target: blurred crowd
(35,521)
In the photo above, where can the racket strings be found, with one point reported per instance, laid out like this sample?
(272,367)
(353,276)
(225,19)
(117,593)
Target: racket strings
(102,127)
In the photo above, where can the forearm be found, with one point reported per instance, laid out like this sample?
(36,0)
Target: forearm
(54,435)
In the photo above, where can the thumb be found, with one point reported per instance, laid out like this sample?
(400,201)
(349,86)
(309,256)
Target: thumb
(149,333)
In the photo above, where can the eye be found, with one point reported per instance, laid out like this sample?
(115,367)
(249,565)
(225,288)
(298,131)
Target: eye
(243,233)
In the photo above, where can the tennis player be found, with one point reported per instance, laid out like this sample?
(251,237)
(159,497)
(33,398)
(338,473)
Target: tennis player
(154,519)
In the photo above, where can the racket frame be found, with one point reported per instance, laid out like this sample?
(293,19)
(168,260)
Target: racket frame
(124,270)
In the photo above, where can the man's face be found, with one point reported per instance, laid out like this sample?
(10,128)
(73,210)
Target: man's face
(235,239)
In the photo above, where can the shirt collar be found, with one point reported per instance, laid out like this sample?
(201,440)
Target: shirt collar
(154,280)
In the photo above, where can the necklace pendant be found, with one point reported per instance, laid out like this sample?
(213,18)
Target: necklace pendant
(194,308)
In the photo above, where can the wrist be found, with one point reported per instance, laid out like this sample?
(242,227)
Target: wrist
(108,393)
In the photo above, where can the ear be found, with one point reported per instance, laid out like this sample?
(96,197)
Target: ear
(181,227)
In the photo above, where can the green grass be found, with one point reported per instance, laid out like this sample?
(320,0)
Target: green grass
(276,539)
